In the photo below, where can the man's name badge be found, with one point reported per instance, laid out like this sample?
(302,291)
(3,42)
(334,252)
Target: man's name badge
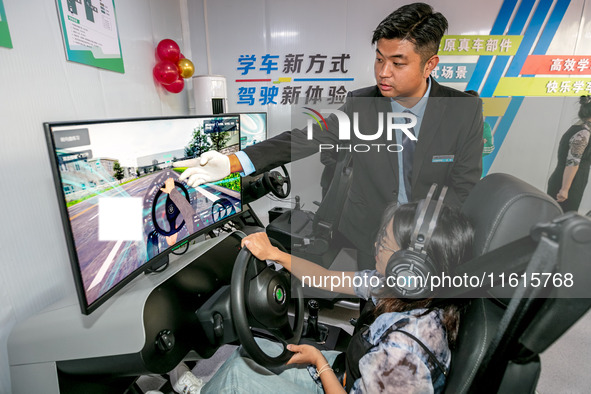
(443,159)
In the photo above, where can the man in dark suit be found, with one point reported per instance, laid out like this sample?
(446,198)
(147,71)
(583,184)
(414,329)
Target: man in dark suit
(388,167)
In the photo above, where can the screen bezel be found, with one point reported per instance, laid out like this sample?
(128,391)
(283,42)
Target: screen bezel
(85,307)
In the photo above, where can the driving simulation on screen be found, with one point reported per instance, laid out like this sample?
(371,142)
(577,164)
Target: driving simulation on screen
(125,203)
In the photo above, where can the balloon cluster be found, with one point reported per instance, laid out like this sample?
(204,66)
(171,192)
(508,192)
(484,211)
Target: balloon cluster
(172,66)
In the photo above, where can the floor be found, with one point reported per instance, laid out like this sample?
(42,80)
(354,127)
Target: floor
(565,365)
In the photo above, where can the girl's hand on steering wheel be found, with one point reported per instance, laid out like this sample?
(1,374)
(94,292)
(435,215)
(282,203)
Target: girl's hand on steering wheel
(260,246)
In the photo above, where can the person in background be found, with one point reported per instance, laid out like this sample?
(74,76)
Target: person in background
(569,179)
(489,145)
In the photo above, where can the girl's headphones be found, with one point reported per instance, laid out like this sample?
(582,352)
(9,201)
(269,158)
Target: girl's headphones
(409,270)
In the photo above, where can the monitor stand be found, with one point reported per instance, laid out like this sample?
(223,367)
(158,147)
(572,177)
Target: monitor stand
(148,327)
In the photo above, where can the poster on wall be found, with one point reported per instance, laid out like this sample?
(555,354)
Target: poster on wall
(89,28)
(5,40)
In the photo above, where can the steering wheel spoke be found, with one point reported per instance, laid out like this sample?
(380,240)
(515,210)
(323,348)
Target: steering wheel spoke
(257,268)
(284,332)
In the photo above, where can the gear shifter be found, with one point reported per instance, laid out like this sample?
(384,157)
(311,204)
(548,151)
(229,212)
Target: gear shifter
(315,331)
(312,331)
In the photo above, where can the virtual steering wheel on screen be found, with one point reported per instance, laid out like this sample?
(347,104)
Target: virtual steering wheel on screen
(172,212)
(221,209)
(279,185)
(260,298)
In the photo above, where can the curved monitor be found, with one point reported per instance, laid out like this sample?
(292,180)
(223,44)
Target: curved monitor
(122,203)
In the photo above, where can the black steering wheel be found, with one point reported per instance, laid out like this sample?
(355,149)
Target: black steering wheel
(172,212)
(260,298)
(275,182)
(221,209)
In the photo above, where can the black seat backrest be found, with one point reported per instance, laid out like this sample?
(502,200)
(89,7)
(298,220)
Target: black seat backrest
(502,209)
(328,215)
(311,232)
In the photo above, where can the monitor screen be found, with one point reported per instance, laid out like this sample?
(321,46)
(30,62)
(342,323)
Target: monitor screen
(253,128)
(123,206)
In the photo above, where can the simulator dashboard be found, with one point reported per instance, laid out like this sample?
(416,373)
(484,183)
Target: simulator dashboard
(124,212)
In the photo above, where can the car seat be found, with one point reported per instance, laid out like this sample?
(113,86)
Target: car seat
(502,333)
(311,235)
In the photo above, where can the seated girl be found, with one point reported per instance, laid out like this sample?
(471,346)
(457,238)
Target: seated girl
(406,349)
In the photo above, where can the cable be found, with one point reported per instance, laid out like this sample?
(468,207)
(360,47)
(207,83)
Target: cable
(157,270)
(286,200)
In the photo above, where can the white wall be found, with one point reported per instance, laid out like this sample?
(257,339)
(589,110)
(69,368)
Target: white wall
(37,85)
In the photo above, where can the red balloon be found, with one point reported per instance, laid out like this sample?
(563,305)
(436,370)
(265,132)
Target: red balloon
(168,50)
(166,72)
(176,86)
(181,56)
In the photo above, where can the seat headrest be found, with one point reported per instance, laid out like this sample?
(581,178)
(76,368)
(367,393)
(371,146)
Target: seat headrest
(503,208)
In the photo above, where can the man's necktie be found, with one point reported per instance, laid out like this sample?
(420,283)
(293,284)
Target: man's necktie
(408,152)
